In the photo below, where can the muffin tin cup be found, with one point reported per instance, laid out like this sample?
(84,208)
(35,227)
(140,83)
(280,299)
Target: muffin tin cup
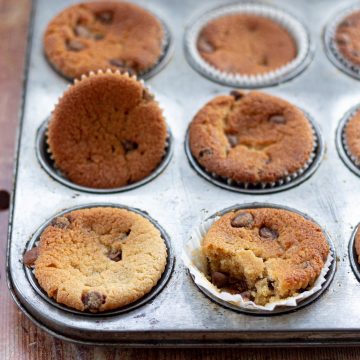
(285,183)
(194,259)
(44,157)
(284,73)
(353,256)
(142,301)
(331,48)
(349,160)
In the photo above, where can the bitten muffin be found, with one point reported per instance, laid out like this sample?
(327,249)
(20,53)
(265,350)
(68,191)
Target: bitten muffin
(246,44)
(352,138)
(98,259)
(264,254)
(347,38)
(251,138)
(107,131)
(101,35)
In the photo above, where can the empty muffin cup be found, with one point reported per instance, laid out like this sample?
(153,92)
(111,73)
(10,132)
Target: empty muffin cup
(242,299)
(61,221)
(271,70)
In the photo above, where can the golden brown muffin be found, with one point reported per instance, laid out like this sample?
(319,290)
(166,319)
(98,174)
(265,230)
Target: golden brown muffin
(265,254)
(107,131)
(357,244)
(101,35)
(251,138)
(98,259)
(352,138)
(246,44)
(347,38)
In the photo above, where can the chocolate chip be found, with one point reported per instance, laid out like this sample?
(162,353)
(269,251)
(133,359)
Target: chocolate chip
(237,94)
(106,17)
(219,279)
(246,295)
(98,36)
(30,257)
(83,31)
(239,285)
(117,62)
(271,285)
(205,152)
(277,119)
(60,222)
(204,46)
(4,199)
(115,255)
(244,219)
(129,145)
(93,300)
(267,233)
(75,45)
(264,61)
(232,139)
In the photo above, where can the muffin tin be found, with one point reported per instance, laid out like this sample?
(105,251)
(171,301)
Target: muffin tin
(179,199)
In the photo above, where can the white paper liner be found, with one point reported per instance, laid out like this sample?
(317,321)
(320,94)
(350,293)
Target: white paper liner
(196,262)
(348,117)
(292,25)
(331,44)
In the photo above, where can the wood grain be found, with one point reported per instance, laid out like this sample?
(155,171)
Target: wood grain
(19,338)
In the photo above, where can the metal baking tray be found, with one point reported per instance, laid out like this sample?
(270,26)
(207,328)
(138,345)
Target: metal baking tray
(178,198)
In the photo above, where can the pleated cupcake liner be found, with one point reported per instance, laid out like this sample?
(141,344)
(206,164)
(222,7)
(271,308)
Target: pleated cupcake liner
(355,160)
(196,262)
(298,32)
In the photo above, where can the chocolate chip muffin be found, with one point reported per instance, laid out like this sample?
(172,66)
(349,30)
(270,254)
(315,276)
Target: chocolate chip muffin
(347,38)
(251,138)
(351,138)
(101,35)
(107,131)
(245,44)
(264,254)
(98,259)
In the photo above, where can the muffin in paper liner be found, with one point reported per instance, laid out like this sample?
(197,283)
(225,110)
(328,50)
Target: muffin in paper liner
(46,157)
(332,50)
(298,32)
(288,181)
(196,262)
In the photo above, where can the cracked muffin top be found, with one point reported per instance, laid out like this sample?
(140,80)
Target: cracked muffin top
(107,131)
(245,44)
(98,259)
(352,137)
(347,38)
(101,35)
(265,254)
(251,138)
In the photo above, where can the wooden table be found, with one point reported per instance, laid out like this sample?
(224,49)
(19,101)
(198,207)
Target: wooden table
(19,338)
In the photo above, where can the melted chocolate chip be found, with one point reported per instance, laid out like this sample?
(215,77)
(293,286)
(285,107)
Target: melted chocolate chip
(244,219)
(129,145)
(237,94)
(219,279)
(240,285)
(115,255)
(30,257)
(232,139)
(277,119)
(83,31)
(267,233)
(4,199)
(117,62)
(60,222)
(271,285)
(93,300)
(105,17)
(204,46)
(75,45)
(98,36)
(205,152)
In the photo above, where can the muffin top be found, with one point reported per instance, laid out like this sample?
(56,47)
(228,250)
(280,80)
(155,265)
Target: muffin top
(347,38)
(107,131)
(102,35)
(251,138)
(272,253)
(98,259)
(352,136)
(357,244)
(246,44)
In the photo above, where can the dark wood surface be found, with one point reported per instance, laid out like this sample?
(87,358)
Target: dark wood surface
(19,338)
